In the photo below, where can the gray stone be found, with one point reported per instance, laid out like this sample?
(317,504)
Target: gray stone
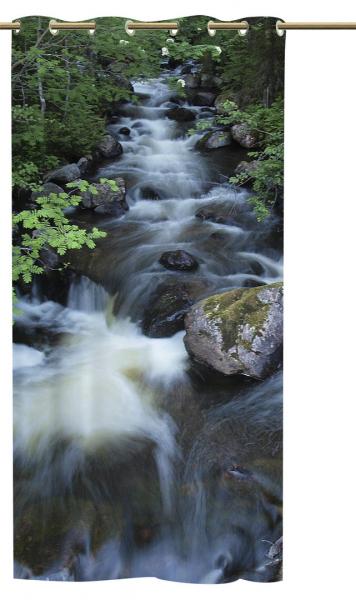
(245,136)
(106,201)
(64,174)
(239,332)
(83,165)
(214,139)
(108,147)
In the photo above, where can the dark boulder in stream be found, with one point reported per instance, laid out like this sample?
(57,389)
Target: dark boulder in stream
(179,260)
(108,147)
(180,114)
(107,200)
(169,303)
(239,332)
(125,130)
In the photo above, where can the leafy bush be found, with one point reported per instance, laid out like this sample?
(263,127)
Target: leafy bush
(47,226)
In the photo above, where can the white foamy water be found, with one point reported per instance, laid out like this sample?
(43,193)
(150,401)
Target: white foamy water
(94,386)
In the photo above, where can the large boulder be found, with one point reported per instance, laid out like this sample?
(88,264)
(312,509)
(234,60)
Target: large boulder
(109,147)
(106,200)
(245,136)
(214,139)
(64,174)
(169,303)
(180,114)
(179,260)
(239,332)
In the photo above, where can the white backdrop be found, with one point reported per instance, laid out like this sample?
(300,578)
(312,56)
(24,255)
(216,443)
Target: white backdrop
(320,310)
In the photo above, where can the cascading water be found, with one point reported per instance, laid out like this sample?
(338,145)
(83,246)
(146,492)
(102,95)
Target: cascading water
(126,463)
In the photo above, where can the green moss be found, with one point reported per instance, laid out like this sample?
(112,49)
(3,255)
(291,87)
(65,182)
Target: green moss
(231,311)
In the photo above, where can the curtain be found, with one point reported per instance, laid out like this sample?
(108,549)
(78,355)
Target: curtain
(147,268)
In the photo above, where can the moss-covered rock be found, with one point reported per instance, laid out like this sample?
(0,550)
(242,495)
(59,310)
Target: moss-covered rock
(214,139)
(238,332)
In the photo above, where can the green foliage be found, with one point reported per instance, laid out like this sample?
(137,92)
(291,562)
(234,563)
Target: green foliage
(185,51)
(110,182)
(268,174)
(47,226)
(63,87)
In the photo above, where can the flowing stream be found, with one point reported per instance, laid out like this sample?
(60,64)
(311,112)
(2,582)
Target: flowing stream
(128,463)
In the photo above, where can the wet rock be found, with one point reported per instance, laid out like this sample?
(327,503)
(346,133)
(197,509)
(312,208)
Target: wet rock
(50,259)
(275,552)
(247,168)
(125,130)
(180,114)
(214,139)
(192,80)
(114,119)
(204,99)
(84,164)
(172,103)
(106,201)
(218,214)
(169,303)
(245,136)
(108,147)
(222,98)
(46,190)
(179,260)
(238,332)
(64,174)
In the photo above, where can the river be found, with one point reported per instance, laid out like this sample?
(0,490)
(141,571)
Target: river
(129,462)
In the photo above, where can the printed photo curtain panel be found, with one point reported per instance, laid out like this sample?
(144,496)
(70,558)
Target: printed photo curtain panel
(147,268)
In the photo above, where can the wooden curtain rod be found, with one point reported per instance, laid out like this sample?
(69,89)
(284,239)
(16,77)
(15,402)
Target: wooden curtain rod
(212,26)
